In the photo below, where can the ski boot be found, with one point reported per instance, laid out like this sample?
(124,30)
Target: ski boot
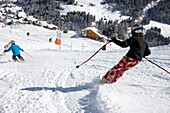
(104,80)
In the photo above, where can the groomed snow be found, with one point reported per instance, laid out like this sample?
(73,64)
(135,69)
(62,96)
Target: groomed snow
(48,81)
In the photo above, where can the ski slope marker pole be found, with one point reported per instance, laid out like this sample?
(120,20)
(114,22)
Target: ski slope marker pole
(92,56)
(1,56)
(157,65)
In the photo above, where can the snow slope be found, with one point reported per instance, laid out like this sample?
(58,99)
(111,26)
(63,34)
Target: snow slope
(164,27)
(48,82)
(100,11)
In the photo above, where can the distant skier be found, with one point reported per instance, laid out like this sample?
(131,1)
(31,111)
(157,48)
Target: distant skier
(50,40)
(15,50)
(138,50)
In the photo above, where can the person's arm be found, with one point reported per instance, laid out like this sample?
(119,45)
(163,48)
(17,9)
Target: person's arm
(147,51)
(20,49)
(8,50)
(123,44)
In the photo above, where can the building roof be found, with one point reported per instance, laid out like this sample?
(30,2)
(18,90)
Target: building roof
(94,30)
(22,14)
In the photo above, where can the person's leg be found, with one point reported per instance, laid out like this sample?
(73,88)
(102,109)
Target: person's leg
(14,58)
(21,58)
(113,72)
(117,71)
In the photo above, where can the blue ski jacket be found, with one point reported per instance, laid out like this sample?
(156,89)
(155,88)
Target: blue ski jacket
(15,49)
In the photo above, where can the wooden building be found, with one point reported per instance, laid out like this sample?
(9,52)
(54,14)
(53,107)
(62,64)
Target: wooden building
(93,33)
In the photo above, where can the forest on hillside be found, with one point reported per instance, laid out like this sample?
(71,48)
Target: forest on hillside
(134,8)
(49,11)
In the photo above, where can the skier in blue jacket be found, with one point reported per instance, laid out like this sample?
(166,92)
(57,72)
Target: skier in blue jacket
(15,50)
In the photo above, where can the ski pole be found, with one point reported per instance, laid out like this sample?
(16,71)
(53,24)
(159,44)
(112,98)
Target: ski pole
(92,56)
(157,65)
(28,54)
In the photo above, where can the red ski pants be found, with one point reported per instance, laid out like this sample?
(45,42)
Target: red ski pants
(117,71)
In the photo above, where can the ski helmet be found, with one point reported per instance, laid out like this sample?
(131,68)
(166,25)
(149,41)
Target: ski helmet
(12,41)
(137,29)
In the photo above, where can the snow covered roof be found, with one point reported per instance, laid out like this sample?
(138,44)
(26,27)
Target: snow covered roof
(52,25)
(44,23)
(94,30)
(32,18)
(22,14)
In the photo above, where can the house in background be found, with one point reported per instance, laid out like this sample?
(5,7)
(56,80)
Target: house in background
(93,33)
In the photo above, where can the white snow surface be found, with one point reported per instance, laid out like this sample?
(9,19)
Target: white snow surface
(49,82)
(100,11)
(164,27)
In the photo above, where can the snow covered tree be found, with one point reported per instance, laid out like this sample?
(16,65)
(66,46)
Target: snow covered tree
(154,37)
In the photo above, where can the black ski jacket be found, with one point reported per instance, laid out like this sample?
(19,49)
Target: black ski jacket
(138,47)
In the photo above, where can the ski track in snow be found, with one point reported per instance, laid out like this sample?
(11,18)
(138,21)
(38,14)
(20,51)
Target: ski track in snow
(49,81)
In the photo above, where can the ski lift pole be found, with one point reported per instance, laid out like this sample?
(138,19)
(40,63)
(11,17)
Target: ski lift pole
(92,55)
(157,65)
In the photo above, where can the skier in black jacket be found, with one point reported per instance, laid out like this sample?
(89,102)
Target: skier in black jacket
(138,49)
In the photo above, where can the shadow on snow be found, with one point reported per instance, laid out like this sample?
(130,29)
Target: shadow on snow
(87,86)
(88,103)
(61,89)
